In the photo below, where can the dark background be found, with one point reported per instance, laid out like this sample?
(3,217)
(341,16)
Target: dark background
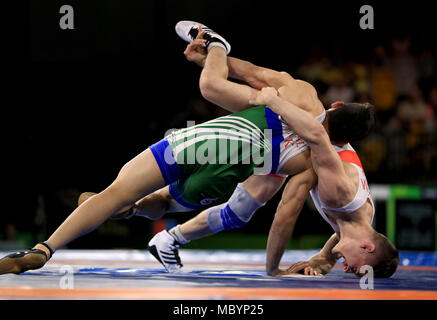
(85,101)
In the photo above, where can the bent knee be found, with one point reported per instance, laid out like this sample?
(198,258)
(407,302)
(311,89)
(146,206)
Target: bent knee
(210,86)
(222,217)
(154,206)
(116,193)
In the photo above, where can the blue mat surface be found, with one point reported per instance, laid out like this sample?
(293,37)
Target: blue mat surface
(220,268)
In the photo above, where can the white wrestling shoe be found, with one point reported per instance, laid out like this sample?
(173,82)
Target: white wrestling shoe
(188,30)
(165,249)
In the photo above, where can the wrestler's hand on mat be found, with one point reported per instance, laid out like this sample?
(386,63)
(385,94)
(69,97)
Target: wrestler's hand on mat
(263,96)
(195,51)
(319,265)
(294,269)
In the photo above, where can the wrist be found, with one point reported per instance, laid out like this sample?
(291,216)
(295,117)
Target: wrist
(327,257)
(271,99)
(272,102)
(201,63)
(273,272)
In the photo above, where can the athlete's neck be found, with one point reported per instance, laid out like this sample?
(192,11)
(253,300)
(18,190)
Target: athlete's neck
(357,228)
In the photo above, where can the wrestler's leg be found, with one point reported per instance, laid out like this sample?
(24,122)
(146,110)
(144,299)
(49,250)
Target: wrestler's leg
(252,194)
(138,178)
(152,206)
(216,88)
(157,204)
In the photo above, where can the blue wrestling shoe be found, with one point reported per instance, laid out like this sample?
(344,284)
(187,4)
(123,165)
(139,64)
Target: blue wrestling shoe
(165,249)
(188,31)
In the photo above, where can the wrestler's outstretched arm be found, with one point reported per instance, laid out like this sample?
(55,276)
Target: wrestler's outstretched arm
(287,212)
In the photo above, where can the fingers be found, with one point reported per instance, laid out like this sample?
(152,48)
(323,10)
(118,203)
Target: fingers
(311,272)
(262,96)
(196,43)
(194,49)
(301,267)
(298,266)
(269,91)
(200,33)
(302,264)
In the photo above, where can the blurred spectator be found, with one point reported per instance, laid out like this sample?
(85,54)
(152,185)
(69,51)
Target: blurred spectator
(413,109)
(411,115)
(340,89)
(404,65)
(431,111)
(361,81)
(373,153)
(410,120)
(394,139)
(312,69)
(430,150)
(427,69)
(382,83)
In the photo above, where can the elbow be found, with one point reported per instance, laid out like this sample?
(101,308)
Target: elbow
(318,130)
(211,84)
(207,88)
(317,133)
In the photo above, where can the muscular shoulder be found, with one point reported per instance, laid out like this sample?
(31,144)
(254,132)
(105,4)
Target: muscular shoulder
(304,95)
(306,86)
(343,187)
(352,177)
(337,182)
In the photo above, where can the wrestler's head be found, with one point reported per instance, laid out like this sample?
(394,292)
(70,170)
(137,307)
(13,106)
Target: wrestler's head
(377,252)
(350,122)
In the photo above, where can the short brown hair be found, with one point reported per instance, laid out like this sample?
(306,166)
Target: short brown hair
(352,122)
(388,257)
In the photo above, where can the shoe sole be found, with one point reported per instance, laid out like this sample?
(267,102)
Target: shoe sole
(22,264)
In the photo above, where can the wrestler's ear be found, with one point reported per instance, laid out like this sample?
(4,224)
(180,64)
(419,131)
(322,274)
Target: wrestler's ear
(337,104)
(368,246)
